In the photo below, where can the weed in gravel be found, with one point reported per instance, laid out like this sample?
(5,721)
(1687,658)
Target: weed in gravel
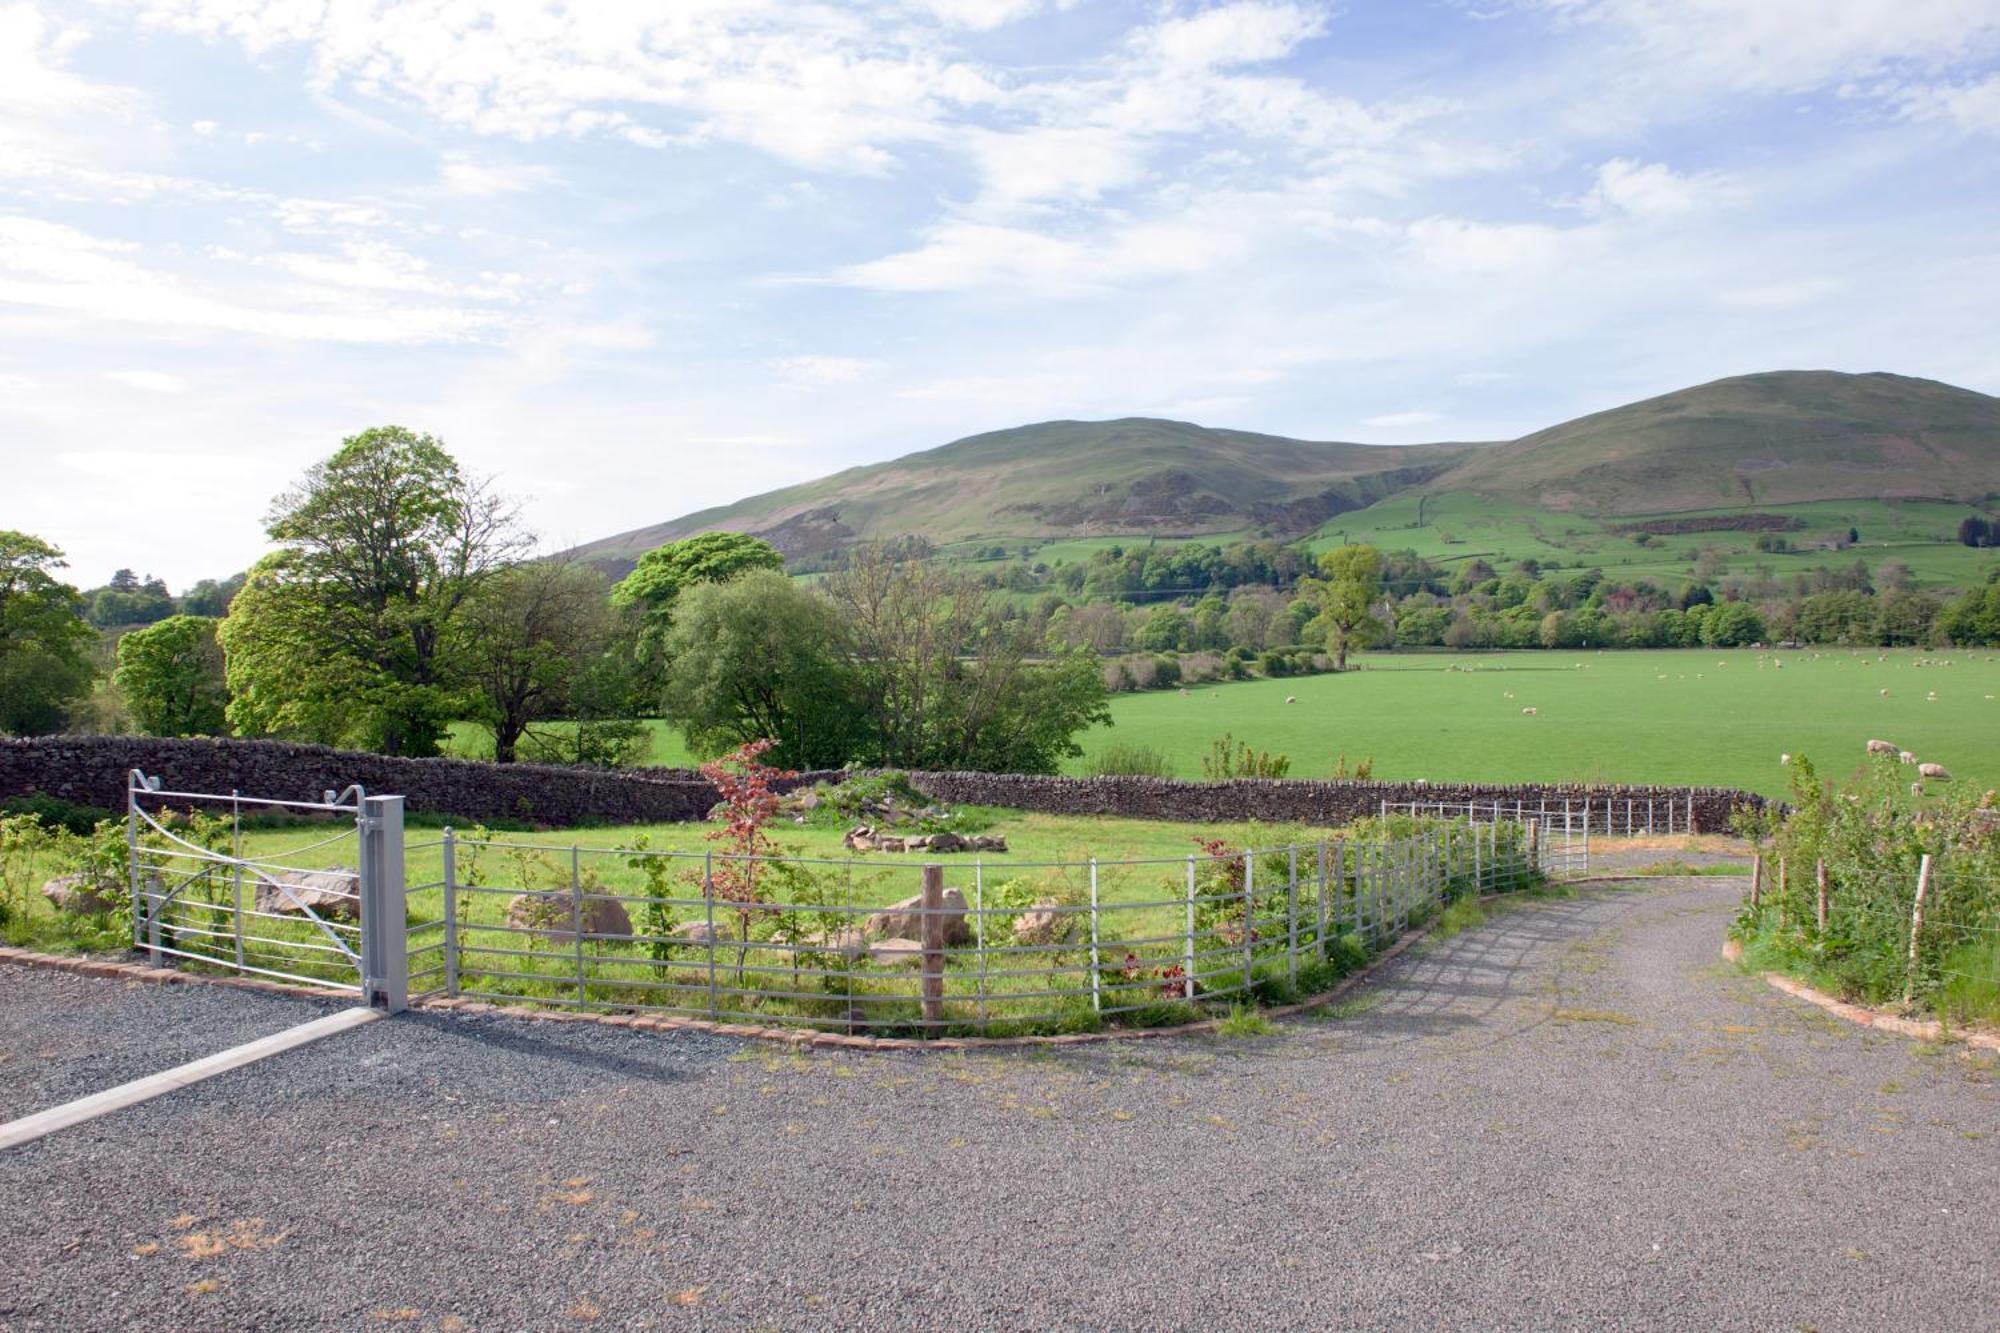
(1594,1016)
(1462,915)
(1244,1021)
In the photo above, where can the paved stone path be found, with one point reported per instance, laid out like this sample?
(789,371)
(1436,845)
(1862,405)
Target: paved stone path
(1574,1116)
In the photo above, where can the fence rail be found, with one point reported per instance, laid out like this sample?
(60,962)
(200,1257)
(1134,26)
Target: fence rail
(1612,816)
(878,943)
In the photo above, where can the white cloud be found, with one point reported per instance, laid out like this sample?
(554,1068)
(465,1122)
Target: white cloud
(461,175)
(820,372)
(1973,107)
(1779,295)
(1477,378)
(1647,191)
(52,267)
(1416,417)
(979,15)
(148,381)
(1232,34)
(1459,245)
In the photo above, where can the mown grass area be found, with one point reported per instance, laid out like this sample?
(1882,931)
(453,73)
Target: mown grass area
(1458,527)
(1678,717)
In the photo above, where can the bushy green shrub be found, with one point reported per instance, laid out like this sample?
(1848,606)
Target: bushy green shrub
(1130,759)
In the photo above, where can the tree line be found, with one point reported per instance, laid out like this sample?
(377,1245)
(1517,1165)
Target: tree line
(402,596)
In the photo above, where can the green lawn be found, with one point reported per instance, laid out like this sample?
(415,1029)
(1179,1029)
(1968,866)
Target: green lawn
(1459,527)
(1677,717)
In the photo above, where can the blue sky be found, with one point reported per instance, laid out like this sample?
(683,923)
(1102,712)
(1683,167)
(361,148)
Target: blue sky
(635,260)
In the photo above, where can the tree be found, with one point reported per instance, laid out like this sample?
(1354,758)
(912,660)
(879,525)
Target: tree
(44,644)
(533,634)
(761,657)
(128,600)
(944,681)
(358,624)
(1352,581)
(172,676)
(211,598)
(1731,625)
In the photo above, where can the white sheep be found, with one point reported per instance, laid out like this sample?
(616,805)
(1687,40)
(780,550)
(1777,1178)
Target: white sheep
(1527,712)
(1916,789)
(1784,759)
(1884,693)
(1934,772)
(1291,698)
(1881,747)
(1905,757)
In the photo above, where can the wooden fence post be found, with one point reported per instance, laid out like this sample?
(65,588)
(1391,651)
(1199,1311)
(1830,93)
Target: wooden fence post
(933,942)
(1757,881)
(1917,927)
(1819,879)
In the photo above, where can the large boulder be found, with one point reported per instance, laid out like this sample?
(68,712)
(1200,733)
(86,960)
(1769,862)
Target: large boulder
(848,942)
(1043,923)
(332,895)
(81,897)
(906,919)
(553,914)
(892,952)
(700,932)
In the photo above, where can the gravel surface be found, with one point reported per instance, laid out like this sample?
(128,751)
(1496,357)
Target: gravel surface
(64,1036)
(1574,1116)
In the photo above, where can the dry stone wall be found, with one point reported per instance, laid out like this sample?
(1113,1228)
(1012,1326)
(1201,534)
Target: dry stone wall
(91,770)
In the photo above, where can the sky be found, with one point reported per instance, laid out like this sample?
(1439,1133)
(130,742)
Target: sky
(634,260)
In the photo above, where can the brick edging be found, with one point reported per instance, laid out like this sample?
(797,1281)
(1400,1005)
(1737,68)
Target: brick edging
(1923,1029)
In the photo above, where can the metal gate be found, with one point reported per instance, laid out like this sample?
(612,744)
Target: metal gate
(1558,839)
(325,907)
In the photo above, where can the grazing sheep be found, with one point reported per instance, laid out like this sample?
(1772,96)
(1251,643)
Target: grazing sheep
(1291,698)
(1885,694)
(1916,789)
(1905,757)
(1881,747)
(1527,712)
(1934,772)
(1784,759)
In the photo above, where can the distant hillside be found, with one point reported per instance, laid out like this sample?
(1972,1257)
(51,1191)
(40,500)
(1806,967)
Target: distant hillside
(1786,437)
(1780,438)
(1137,475)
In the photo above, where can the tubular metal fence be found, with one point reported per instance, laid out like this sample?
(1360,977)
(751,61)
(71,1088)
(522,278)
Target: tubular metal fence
(877,943)
(1613,816)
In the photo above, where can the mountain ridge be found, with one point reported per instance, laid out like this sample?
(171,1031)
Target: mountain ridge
(1774,437)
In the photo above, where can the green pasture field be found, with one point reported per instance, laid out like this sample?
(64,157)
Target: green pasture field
(1677,717)
(1459,527)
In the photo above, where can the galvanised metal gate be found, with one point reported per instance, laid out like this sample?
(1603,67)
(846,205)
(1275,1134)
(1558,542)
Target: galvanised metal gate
(1558,836)
(327,909)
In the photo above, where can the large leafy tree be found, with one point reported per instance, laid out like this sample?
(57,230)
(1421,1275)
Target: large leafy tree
(945,681)
(44,644)
(649,594)
(760,657)
(358,624)
(1349,586)
(171,674)
(535,633)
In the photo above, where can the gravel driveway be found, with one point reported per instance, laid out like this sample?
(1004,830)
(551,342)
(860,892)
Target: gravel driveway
(1573,1116)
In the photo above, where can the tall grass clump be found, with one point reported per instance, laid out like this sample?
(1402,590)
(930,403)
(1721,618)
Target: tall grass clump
(1129,759)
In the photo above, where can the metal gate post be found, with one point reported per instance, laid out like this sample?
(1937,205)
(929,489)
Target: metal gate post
(385,936)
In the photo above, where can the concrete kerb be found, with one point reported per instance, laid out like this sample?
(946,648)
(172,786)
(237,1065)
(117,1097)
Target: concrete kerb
(106,967)
(1922,1029)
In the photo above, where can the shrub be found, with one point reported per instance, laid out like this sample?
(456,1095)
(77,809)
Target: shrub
(1131,759)
(56,813)
(1228,758)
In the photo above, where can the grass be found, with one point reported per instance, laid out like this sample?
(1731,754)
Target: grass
(1460,526)
(1244,1021)
(1463,915)
(1674,717)
(1679,869)
(1022,985)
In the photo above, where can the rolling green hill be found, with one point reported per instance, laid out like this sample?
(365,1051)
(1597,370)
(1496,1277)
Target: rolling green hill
(1068,479)
(1787,437)
(1805,450)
